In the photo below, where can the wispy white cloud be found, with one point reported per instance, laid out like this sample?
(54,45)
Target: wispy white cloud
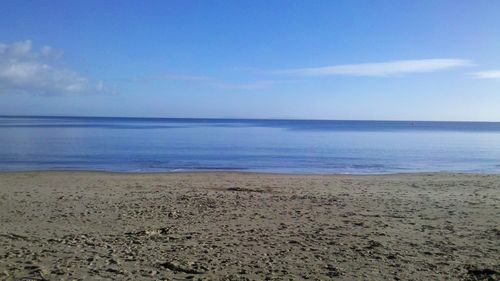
(246,86)
(25,70)
(208,81)
(178,77)
(489,74)
(380,69)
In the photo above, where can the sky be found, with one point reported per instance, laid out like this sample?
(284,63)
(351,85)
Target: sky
(349,60)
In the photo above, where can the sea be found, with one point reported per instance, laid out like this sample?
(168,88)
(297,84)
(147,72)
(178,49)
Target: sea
(248,145)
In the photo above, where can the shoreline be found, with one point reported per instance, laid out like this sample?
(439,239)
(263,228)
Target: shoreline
(242,172)
(247,226)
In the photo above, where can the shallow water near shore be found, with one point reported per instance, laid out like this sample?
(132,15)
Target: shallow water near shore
(283,146)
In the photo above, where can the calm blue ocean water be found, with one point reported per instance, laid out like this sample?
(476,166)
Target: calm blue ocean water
(299,146)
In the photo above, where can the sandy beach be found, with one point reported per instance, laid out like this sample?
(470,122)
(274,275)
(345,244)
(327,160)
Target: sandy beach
(237,226)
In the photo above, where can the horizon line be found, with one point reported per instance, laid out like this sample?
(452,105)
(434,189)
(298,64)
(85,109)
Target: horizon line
(241,118)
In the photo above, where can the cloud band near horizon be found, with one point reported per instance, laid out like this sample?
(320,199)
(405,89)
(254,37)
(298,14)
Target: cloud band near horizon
(489,74)
(380,69)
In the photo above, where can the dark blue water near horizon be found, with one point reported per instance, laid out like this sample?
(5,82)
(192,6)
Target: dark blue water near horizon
(283,146)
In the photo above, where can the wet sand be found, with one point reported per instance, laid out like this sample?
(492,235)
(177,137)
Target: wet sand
(236,226)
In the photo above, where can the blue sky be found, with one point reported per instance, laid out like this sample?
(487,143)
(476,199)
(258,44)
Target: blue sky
(384,60)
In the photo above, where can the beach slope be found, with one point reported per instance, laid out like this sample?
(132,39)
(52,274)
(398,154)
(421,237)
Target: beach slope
(237,226)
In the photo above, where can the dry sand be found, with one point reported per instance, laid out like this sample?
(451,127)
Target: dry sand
(235,226)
